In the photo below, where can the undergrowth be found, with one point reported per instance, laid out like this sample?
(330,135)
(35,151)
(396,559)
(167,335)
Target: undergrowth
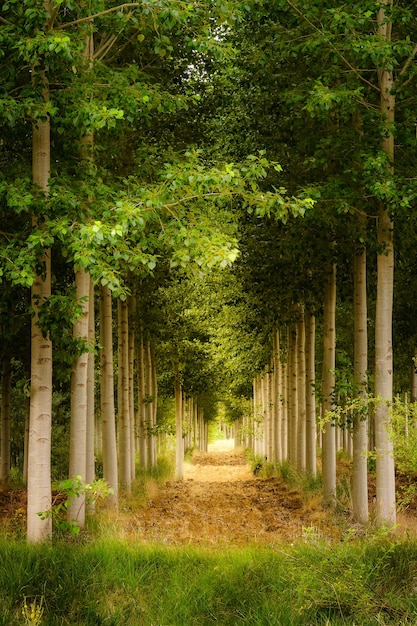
(305,483)
(122,584)
(108,579)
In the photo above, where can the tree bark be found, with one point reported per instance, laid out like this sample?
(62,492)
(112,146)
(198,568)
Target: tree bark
(150,405)
(40,421)
(328,381)
(385,471)
(284,408)
(311,434)
(413,383)
(110,469)
(292,394)
(91,420)
(179,447)
(78,424)
(141,415)
(6,389)
(125,475)
(87,160)
(277,395)
(301,393)
(132,342)
(360,423)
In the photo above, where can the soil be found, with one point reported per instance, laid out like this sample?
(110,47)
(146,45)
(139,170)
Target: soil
(221,502)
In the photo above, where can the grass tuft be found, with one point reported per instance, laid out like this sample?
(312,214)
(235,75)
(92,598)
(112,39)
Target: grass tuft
(119,583)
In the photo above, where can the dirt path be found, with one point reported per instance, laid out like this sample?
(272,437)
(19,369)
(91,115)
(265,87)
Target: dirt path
(220,502)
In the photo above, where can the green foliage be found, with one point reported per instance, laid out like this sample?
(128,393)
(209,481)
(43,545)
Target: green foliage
(363,583)
(404,433)
(260,466)
(65,492)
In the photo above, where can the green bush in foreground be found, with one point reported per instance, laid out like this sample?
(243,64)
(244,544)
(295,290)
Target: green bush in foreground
(119,584)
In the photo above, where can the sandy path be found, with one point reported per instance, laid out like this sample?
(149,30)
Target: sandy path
(221,464)
(220,502)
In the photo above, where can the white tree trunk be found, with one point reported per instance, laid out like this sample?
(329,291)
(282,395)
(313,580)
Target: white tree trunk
(78,424)
(328,381)
(132,342)
(385,471)
(179,447)
(413,383)
(6,390)
(311,431)
(284,409)
(91,417)
(150,416)
(301,393)
(257,413)
(110,469)
(26,440)
(40,420)
(292,394)
(125,475)
(141,414)
(277,395)
(360,423)
(154,379)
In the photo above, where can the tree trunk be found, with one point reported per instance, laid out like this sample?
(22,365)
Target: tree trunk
(277,394)
(257,414)
(78,424)
(150,404)
(360,424)
(141,415)
(292,394)
(40,421)
(301,393)
(110,470)
(385,472)
(413,383)
(125,475)
(179,448)
(6,388)
(284,408)
(132,342)
(154,395)
(87,160)
(91,421)
(328,381)
(26,441)
(311,434)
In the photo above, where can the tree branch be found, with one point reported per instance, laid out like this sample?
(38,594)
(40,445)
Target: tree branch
(342,57)
(4,21)
(52,17)
(406,66)
(89,18)
(409,61)
(105,47)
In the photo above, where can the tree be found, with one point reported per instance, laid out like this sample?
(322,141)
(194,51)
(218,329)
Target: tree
(110,469)
(39,444)
(328,384)
(385,484)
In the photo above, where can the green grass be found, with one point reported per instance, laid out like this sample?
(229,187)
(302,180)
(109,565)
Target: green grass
(102,579)
(116,583)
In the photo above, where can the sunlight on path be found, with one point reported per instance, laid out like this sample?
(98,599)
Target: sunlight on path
(218,473)
(221,445)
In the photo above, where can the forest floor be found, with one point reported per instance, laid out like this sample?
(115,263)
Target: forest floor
(220,502)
